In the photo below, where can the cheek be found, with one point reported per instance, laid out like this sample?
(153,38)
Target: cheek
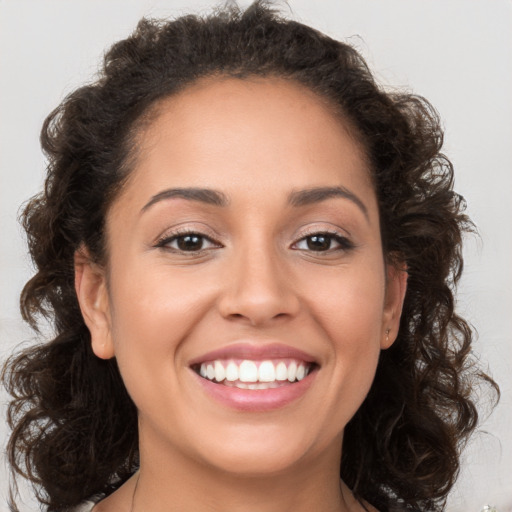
(158,299)
(348,308)
(349,302)
(154,311)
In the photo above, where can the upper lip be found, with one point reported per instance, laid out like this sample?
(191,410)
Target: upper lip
(255,351)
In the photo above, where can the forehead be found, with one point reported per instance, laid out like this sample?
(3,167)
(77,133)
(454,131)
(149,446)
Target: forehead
(221,131)
(240,104)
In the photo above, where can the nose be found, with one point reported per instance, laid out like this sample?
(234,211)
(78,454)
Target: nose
(258,290)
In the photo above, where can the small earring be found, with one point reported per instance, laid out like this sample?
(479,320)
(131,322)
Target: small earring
(387,334)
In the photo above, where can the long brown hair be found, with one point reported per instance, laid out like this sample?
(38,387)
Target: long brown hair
(74,427)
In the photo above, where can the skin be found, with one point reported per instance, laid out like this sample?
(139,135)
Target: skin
(155,308)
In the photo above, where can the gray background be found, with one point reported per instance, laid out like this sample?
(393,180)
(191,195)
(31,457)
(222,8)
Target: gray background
(457,53)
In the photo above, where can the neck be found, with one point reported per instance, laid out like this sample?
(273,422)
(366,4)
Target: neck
(187,484)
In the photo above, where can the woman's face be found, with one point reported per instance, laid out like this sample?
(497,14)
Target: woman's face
(246,247)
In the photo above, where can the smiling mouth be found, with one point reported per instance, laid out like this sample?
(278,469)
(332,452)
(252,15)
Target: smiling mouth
(254,375)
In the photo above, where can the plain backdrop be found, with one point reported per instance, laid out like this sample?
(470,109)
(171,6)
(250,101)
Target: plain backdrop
(456,53)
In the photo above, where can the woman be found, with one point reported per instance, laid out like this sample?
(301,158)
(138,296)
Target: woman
(248,251)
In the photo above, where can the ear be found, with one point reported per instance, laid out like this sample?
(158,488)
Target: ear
(92,294)
(396,286)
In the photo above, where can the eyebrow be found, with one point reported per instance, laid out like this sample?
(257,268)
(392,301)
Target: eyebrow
(319,194)
(203,195)
(297,198)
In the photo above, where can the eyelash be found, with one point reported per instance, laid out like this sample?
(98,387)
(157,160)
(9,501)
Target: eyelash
(344,243)
(164,242)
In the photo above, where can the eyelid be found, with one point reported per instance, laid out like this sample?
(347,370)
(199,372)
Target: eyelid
(175,233)
(340,236)
(322,228)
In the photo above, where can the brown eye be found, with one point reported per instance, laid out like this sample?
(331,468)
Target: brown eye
(320,242)
(323,242)
(187,242)
(190,242)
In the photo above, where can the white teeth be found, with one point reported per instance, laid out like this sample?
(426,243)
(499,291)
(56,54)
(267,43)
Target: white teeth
(231,372)
(220,373)
(266,372)
(253,385)
(248,371)
(292,371)
(281,371)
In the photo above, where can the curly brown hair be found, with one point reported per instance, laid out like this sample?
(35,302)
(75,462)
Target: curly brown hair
(75,427)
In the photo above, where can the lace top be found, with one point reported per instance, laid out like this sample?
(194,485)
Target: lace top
(86,506)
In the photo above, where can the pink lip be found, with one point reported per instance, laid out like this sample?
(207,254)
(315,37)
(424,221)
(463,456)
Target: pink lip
(255,351)
(257,400)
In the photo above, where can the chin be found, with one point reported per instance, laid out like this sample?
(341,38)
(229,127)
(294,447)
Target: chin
(260,451)
(256,464)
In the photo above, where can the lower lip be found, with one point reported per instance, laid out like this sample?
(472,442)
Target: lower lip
(257,400)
